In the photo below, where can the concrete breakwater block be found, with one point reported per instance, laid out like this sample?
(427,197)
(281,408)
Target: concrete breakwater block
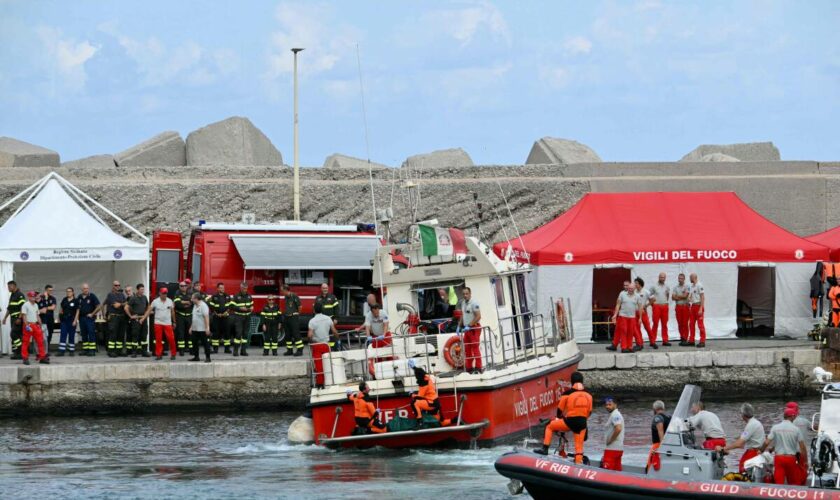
(96,161)
(234,141)
(444,158)
(15,153)
(554,150)
(719,157)
(343,161)
(163,150)
(750,151)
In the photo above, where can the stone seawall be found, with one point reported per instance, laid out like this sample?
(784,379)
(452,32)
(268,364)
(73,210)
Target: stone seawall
(794,194)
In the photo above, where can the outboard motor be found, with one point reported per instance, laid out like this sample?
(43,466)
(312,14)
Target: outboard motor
(823,454)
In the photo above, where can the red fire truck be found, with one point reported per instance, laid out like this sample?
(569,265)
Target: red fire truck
(301,254)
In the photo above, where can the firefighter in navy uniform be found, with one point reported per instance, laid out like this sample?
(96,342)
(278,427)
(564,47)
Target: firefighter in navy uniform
(115,314)
(241,305)
(270,324)
(16,301)
(219,304)
(183,317)
(291,322)
(329,302)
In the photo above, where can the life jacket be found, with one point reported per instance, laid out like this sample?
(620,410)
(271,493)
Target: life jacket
(428,391)
(576,402)
(834,296)
(362,408)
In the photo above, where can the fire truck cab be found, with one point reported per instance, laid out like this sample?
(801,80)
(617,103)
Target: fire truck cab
(303,255)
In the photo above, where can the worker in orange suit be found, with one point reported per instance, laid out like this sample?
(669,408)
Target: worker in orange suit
(366,414)
(834,300)
(573,410)
(426,397)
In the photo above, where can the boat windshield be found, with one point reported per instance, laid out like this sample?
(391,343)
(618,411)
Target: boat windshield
(830,408)
(690,395)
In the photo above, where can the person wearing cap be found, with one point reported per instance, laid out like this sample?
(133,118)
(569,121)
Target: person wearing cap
(164,310)
(219,304)
(329,302)
(790,455)
(660,296)
(321,334)
(242,305)
(709,424)
(750,439)
(16,302)
(573,411)
(803,425)
(89,306)
(31,315)
(614,433)
(200,327)
(48,304)
(291,321)
(183,317)
(270,325)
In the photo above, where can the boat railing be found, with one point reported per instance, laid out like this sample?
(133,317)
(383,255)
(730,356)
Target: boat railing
(499,349)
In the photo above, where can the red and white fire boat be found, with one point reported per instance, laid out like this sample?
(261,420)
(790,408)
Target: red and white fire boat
(527,358)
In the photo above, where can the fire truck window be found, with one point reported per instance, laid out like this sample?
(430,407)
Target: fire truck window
(196,267)
(167,266)
(315,277)
(295,277)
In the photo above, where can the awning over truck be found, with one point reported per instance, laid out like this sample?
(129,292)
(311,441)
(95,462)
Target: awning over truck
(279,251)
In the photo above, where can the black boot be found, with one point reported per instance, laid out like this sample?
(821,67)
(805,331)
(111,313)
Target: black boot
(227,349)
(216,350)
(265,352)
(194,358)
(236,350)
(206,358)
(60,353)
(242,351)
(274,352)
(541,451)
(299,352)
(144,353)
(288,352)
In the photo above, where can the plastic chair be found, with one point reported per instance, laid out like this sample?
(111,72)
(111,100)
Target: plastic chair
(254,329)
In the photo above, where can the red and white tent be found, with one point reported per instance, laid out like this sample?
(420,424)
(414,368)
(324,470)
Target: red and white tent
(831,239)
(711,234)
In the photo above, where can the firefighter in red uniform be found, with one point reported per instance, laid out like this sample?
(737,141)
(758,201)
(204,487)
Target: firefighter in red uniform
(366,414)
(573,410)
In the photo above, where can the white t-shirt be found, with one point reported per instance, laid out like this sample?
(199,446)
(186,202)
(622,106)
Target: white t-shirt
(627,305)
(321,325)
(30,312)
(753,434)
(660,292)
(680,290)
(614,420)
(694,292)
(377,325)
(786,438)
(643,299)
(198,312)
(162,311)
(708,423)
(469,310)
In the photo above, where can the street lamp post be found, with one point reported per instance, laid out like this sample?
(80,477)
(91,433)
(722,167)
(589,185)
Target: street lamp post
(296,186)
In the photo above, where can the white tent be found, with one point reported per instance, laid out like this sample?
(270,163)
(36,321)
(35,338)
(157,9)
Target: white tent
(56,236)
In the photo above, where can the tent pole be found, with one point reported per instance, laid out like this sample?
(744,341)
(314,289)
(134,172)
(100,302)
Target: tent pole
(110,213)
(21,194)
(84,205)
(37,188)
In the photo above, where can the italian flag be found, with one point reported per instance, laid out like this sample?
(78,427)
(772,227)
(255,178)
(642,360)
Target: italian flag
(442,241)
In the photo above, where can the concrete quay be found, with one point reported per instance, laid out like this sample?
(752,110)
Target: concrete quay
(100,385)
(724,369)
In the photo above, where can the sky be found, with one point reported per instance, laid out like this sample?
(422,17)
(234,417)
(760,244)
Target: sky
(642,80)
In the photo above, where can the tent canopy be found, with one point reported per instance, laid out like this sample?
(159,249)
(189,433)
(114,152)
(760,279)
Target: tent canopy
(53,227)
(831,239)
(605,228)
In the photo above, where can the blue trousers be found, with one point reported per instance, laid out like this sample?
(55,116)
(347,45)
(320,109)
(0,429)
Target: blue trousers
(67,341)
(88,330)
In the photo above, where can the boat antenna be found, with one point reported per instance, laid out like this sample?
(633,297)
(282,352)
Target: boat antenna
(513,221)
(367,141)
(501,224)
